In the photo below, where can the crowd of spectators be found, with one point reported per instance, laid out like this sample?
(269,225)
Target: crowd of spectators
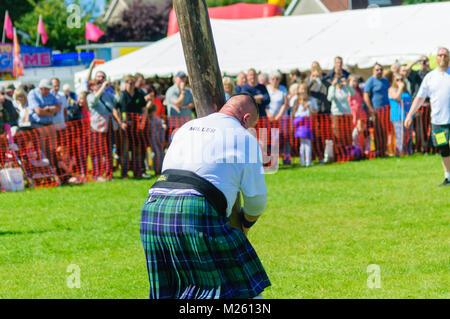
(115,111)
(377,106)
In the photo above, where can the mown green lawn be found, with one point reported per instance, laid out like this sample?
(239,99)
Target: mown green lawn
(322,228)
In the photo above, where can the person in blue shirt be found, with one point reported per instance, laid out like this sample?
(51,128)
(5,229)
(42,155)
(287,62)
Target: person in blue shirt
(376,98)
(376,90)
(241,80)
(258,91)
(400,101)
(43,105)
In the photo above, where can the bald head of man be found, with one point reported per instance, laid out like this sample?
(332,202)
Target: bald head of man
(243,108)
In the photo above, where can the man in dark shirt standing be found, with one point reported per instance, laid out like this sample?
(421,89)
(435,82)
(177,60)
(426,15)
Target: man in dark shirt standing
(131,105)
(415,78)
(338,69)
(258,91)
(8,107)
(241,80)
(319,89)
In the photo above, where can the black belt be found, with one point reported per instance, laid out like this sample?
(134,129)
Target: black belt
(181,179)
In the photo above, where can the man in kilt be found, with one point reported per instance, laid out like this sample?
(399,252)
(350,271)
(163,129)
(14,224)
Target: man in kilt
(191,250)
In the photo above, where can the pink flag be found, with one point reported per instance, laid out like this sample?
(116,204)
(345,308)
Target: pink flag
(93,32)
(41,30)
(8,26)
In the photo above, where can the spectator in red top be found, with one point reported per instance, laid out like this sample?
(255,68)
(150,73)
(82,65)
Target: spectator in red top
(356,101)
(358,113)
(338,69)
(160,110)
(155,129)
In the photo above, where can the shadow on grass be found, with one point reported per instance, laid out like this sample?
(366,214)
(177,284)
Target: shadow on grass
(27,232)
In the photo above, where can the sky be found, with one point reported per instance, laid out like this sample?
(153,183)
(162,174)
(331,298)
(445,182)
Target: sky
(99,5)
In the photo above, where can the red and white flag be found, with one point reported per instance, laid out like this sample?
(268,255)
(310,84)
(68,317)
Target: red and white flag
(7,27)
(17,58)
(93,32)
(41,30)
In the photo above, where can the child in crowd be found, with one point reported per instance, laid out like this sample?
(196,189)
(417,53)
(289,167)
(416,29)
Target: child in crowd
(65,166)
(303,108)
(292,97)
(37,166)
(359,133)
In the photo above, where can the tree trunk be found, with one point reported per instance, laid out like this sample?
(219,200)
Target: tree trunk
(203,68)
(200,54)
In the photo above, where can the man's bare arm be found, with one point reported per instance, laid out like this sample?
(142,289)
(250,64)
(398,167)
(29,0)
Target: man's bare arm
(417,103)
(369,102)
(91,68)
(46,111)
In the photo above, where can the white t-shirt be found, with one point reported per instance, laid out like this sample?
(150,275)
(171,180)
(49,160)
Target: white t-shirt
(276,99)
(218,148)
(436,86)
(23,113)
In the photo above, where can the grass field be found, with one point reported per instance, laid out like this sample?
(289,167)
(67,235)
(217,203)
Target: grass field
(322,228)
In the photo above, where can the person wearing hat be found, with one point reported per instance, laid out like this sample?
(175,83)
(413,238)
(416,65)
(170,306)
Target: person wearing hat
(191,250)
(43,105)
(179,99)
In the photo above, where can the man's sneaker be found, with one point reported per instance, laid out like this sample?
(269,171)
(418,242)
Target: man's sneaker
(446,182)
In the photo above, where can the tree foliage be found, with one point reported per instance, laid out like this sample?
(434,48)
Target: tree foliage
(61,34)
(140,22)
(16,8)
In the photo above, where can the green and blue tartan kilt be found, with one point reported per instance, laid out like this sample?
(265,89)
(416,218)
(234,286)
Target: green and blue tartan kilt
(192,252)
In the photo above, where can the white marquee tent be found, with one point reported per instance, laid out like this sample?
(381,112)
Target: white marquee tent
(361,37)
